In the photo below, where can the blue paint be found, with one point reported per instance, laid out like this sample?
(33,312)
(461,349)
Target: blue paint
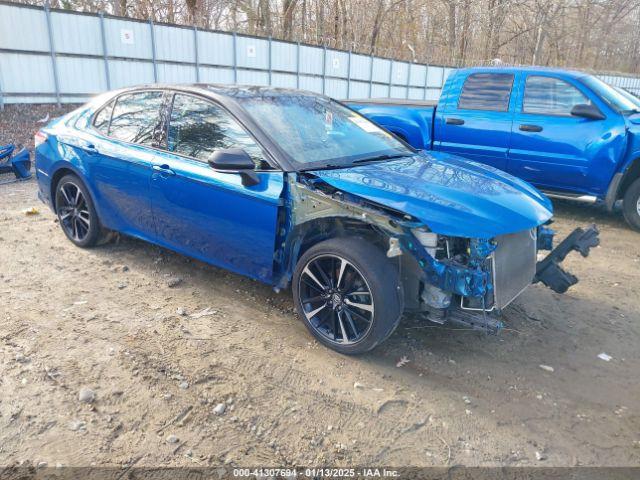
(451,196)
(571,155)
(183,204)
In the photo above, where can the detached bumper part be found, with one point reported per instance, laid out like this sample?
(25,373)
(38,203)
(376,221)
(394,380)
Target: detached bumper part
(549,271)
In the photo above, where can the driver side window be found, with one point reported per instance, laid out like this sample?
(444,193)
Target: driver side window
(550,96)
(197,128)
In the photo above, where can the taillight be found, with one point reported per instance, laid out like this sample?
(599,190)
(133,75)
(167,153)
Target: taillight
(39,138)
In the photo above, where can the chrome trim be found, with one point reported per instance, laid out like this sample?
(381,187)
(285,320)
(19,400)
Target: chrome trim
(576,198)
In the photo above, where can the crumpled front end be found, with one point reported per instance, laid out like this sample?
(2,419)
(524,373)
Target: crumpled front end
(464,280)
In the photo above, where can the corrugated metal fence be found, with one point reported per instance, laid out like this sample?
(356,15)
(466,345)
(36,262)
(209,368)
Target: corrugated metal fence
(65,57)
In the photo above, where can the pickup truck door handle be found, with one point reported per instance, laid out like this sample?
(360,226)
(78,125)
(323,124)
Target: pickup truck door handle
(531,128)
(164,170)
(454,121)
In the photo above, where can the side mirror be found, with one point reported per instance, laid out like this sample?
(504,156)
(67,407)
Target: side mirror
(235,160)
(587,110)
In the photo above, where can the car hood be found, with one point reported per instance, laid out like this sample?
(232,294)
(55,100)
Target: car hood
(451,195)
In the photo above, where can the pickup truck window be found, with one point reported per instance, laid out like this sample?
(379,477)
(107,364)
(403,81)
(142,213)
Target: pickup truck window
(486,91)
(198,127)
(606,92)
(550,96)
(319,133)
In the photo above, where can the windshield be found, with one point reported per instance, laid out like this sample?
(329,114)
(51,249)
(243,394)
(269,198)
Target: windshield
(613,98)
(320,133)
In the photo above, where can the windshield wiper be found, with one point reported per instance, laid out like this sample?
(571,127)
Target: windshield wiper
(379,158)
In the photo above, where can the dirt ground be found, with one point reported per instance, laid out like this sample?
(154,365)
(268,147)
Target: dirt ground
(163,340)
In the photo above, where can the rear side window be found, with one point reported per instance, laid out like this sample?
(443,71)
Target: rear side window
(486,91)
(102,119)
(198,127)
(550,96)
(135,117)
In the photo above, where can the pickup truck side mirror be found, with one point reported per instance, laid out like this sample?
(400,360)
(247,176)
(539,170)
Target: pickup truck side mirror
(587,110)
(235,160)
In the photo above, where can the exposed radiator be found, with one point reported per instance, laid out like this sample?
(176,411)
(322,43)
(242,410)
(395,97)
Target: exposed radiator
(514,265)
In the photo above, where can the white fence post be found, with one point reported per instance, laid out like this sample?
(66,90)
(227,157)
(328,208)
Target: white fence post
(52,51)
(105,55)
(153,50)
(195,53)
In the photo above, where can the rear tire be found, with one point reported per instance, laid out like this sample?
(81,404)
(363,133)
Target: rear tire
(631,205)
(76,214)
(348,294)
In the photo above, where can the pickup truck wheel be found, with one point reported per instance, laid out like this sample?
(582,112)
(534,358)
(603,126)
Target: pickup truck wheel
(348,294)
(76,213)
(631,205)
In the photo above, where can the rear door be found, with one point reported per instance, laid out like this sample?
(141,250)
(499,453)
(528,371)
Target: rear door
(477,124)
(550,147)
(208,214)
(120,159)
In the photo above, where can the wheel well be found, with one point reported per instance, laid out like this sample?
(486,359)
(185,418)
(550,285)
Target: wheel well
(632,173)
(54,182)
(321,229)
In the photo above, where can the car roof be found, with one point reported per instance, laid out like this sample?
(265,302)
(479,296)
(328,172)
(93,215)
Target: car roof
(229,91)
(513,69)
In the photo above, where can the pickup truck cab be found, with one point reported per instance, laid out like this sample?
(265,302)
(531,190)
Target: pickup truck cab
(566,132)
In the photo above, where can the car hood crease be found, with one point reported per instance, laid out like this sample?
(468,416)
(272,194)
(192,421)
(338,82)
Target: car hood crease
(450,195)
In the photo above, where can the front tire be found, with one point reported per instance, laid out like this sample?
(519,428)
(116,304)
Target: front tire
(348,294)
(631,205)
(76,214)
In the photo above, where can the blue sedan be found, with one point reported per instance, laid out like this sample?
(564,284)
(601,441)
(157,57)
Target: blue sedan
(297,190)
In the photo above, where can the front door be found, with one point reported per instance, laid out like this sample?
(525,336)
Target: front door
(208,214)
(478,126)
(549,147)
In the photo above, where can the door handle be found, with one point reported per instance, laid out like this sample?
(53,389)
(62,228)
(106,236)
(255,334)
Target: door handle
(164,170)
(454,121)
(531,128)
(90,148)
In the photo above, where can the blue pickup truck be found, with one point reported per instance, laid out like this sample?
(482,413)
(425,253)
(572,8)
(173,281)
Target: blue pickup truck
(566,132)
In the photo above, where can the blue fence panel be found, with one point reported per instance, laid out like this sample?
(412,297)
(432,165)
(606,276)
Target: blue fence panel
(284,80)
(172,73)
(336,64)
(83,58)
(283,56)
(313,84)
(15,78)
(381,69)
(253,53)
(215,48)
(379,91)
(435,76)
(398,92)
(399,73)
(418,75)
(125,73)
(252,77)
(23,29)
(128,39)
(78,34)
(174,44)
(360,67)
(81,75)
(359,89)
(216,75)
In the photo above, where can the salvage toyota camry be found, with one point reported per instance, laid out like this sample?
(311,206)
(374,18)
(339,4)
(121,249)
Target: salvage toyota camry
(295,189)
